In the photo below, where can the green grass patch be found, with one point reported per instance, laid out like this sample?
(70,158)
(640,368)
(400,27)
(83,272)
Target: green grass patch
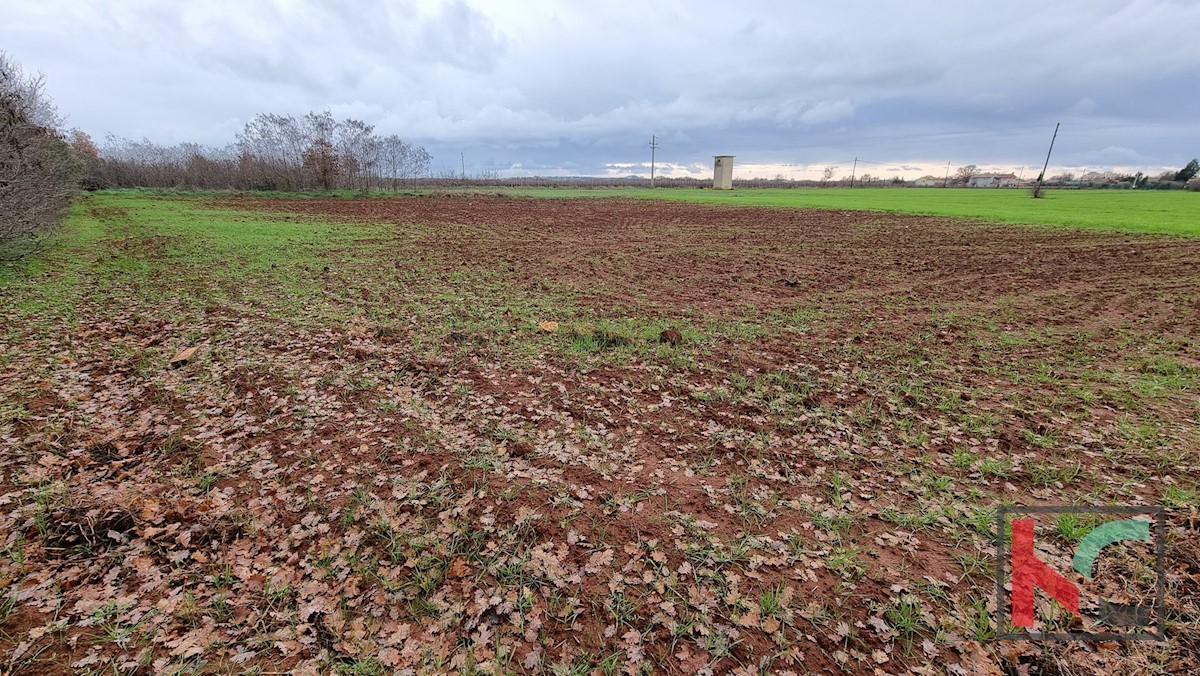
(1142,211)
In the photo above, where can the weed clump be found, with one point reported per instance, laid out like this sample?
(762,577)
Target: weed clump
(598,338)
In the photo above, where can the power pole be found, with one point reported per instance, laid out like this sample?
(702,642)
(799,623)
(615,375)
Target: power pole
(462,157)
(852,172)
(653,147)
(1037,188)
(946,180)
(1047,164)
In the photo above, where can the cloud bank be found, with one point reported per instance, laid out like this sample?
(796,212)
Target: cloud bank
(578,88)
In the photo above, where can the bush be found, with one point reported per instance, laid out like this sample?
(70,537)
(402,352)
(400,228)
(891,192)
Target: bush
(38,174)
(1194,185)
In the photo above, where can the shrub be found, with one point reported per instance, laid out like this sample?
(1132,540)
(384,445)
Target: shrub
(38,174)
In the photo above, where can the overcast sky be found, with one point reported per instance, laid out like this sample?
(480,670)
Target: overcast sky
(578,87)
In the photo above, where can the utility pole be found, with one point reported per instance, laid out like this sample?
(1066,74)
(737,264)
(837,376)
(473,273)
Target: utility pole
(946,180)
(653,147)
(1047,164)
(1037,189)
(852,172)
(462,157)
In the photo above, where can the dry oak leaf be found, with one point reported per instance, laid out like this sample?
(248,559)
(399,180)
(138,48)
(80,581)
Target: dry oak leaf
(548,327)
(458,567)
(184,355)
(598,560)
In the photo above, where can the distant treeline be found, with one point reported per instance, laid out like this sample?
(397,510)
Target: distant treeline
(1090,180)
(273,152)
(489,179)
(1184,178)
(317,152)
(492,179)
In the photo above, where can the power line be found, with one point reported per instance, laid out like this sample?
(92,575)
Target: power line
(854,161)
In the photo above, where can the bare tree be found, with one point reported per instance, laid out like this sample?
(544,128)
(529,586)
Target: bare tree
(85,151)
(276,144)
(323,160)
(402,161)
(391,154)
(38,175)
(418,162)
(828,174)
(965,174)
(1099,177)
(353,140)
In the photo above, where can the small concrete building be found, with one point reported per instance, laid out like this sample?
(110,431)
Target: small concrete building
(722,172)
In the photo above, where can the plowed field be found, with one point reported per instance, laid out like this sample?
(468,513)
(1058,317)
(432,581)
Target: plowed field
(457,433)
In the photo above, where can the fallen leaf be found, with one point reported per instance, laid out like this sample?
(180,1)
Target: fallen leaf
(458,567)
(184,355)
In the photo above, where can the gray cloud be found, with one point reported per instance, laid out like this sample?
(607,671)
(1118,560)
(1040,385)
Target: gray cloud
(579,87)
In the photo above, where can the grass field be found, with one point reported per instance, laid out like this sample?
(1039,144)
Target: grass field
(485,434)
(1173,212)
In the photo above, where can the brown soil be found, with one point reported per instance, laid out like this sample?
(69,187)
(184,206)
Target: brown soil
(617,459)
(672,257)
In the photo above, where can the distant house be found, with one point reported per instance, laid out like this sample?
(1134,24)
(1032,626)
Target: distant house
(993,181)
(929,181)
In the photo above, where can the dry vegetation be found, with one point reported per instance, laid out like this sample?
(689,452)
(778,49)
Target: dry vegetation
(448,434)
(38,175)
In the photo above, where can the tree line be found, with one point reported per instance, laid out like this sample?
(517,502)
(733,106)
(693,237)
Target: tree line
(43,166)
(1167,180)
(273,152)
